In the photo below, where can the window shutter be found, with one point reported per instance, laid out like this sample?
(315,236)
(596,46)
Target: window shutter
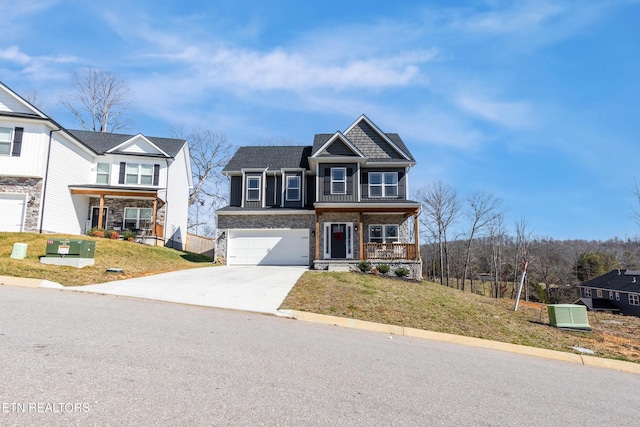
(349,181)
(156,174)
(17,142)
(327,180)
(123,168)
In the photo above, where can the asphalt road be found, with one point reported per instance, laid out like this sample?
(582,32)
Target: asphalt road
(83,359)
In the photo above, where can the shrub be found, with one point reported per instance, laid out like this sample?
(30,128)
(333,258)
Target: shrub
(128,235)
(364,266)
(96,232)
(401,272)
(384,268)
(113,235)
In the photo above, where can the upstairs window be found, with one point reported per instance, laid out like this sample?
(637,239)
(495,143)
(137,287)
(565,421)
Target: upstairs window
(5,141)
(10,141)
(383,233)
(102,173)
(338,180)
(293,188)
(253,188)
(139,174)
(383,184)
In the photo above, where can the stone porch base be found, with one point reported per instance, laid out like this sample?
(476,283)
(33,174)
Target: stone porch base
(414,267)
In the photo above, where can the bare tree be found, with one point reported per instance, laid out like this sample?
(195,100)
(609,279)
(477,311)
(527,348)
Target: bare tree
(523,244)
(483,208)
(497,238)
(98,100)
(210,151)
(439,210)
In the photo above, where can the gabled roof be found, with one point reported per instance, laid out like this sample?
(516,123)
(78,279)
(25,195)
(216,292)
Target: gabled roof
(103,142)
(338,138)
(616,280)
(271,157)
(391,142)
(27,110)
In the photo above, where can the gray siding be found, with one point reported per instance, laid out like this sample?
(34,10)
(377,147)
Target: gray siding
(623,305)
(235,196)
(371,143)
(364,183)
(274,192)
(324,187)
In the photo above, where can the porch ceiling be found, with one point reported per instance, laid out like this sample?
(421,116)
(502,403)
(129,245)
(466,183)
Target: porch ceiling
(406,210)
(116,192)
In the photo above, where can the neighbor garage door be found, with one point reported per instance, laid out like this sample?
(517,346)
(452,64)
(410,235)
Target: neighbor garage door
(268,247)
(12,212)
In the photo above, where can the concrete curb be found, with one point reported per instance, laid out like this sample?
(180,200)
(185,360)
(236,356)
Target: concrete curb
(599,362)
(29,283)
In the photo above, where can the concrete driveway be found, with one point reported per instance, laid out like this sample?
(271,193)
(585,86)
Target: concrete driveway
(250,288)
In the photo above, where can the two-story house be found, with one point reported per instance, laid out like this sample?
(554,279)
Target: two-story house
(339,201)
(56,180)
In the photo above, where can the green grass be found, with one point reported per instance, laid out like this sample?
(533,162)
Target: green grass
(433,307)
(135,259)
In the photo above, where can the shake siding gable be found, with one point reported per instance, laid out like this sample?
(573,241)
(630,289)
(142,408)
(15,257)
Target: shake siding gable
(371,143)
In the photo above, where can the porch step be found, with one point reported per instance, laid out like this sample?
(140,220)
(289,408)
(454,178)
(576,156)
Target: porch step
(339,267)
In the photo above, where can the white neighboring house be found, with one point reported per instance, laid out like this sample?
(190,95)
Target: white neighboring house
(54,180)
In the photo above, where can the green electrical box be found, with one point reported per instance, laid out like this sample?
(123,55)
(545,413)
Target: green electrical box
(69,248)
(568,316)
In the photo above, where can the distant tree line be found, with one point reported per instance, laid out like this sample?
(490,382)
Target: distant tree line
(466,245)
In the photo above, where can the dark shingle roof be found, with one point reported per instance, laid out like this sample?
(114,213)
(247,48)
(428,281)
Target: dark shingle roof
(321,138)
(616,280)
(101,142)
(272,157)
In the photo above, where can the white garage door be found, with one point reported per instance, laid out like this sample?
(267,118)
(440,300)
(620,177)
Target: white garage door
(268,247)
(12,211)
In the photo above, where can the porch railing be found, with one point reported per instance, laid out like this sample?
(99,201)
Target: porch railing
(389,251)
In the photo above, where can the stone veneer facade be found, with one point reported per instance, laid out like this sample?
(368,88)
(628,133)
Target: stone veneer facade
(226,222)
(32,187)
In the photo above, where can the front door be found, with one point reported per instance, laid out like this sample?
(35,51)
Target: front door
(338,241)
(95,211)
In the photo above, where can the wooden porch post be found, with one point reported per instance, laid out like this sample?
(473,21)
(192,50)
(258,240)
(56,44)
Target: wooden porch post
(100,213)
(360,233)
(153,221)
(317,237)
(416,233)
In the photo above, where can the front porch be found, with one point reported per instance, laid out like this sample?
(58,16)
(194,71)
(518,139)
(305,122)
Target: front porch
(346,235)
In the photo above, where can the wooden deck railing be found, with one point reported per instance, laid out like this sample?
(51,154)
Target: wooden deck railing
(389,251)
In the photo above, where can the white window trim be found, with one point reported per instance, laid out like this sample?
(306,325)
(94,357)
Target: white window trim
(10,142)
(382,184)
(587,292)
(138,209)
(384,232)
(259,188)
(108,173)
(138,173)
(599,293)
(339,181)
(289,187)
(617,296)
(634,299)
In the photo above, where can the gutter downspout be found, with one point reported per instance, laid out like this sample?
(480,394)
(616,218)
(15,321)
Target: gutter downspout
(46,179)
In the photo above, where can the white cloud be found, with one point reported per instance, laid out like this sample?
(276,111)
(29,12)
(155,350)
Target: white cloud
(13,54)
(511,115)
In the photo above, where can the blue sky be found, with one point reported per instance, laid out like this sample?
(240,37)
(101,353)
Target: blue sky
(535,101)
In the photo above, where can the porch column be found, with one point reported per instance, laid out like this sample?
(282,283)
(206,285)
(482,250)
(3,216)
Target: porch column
(416,234)
(153,220)
(360,237)
(317,237)
(101,213)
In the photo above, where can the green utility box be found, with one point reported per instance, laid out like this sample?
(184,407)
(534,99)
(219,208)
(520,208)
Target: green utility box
(568,316)
(68,248)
